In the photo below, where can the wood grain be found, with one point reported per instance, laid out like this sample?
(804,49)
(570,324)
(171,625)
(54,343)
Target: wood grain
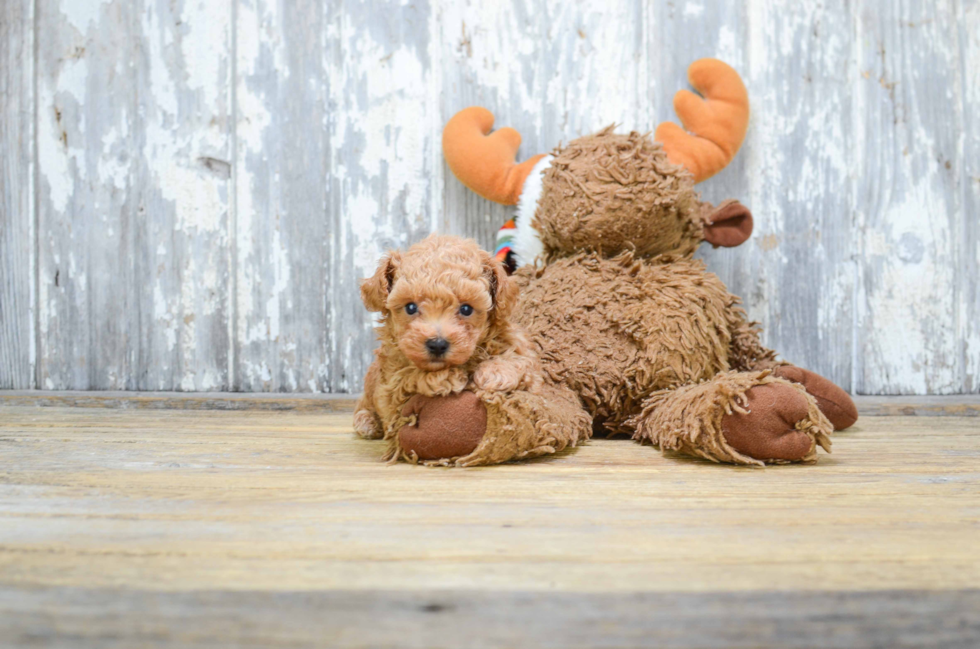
(184,138)
(282,501)
(968,272)
(79,618)
(17,233)
(87,196)
(282,528)
(244,401)
(964,405)
(908,212)
(133,150)
(796,274)
(282,167)
(214,178)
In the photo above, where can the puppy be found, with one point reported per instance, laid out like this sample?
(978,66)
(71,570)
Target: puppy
(444,329)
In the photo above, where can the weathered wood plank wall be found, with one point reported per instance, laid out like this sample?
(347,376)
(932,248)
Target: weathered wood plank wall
(190,190)
(17,235)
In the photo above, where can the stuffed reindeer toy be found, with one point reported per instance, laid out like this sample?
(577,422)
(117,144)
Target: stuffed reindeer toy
(618,311)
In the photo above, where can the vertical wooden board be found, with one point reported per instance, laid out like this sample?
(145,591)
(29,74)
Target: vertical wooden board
(799,184)
(182,139)
(132,116)
(17,243)
(552,70)
(969,271)
(677,34)
(384,166)
(87,293)
(908,123)
(283,227)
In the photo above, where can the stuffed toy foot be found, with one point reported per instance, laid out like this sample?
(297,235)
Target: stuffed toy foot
(764,427)
(478,428)
(736,417)
(445,427)
(836,404)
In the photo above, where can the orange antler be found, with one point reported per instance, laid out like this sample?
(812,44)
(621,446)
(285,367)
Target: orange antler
(482,161)
(718,122)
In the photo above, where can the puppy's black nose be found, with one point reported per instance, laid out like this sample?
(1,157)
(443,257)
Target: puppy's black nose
(437,346)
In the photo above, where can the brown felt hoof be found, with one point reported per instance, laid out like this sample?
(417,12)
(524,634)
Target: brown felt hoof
(767,431)
(445,427)
(834,403)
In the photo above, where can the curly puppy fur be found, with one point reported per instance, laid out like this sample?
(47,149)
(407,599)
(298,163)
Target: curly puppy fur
(423,295)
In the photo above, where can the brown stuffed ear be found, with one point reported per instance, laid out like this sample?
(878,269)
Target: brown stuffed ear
(375,289)
(503,290)
(729,225)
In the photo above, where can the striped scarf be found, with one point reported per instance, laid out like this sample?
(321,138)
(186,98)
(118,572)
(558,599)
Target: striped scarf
(505,241)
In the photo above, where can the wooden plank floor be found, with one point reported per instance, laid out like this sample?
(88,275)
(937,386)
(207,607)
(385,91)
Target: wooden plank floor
(265,528)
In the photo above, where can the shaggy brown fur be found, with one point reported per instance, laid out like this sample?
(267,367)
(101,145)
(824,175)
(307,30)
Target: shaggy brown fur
(689,419)
(421,296)
(613,193)
(616,330)
(654,345)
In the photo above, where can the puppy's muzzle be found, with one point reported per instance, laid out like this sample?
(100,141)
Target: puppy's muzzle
(437,347)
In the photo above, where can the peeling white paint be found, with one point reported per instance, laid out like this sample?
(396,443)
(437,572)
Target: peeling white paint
(854,115)
(693,9)
(164,316)
(53,160)
(81,14)
(60,156)
(909,300)
(204,54)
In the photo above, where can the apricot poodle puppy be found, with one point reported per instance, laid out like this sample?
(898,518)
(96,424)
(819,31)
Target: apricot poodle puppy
(448,347)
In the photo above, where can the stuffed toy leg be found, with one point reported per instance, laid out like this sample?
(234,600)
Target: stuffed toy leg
(479,428)
(736,417)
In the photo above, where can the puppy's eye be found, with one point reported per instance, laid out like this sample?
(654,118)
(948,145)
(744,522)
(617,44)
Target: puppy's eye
(411,308)
(466,310)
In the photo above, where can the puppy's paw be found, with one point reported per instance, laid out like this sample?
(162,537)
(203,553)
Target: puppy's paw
(497,376)
(366,425)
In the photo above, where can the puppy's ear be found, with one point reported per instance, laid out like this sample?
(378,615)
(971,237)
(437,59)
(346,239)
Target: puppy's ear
(375,289)
(503,290)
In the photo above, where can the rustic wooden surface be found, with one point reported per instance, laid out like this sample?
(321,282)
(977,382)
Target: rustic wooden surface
(212,178)
(17,236)
(84,618)
(263,401)
(283,529)
(961,405)
(134,139)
